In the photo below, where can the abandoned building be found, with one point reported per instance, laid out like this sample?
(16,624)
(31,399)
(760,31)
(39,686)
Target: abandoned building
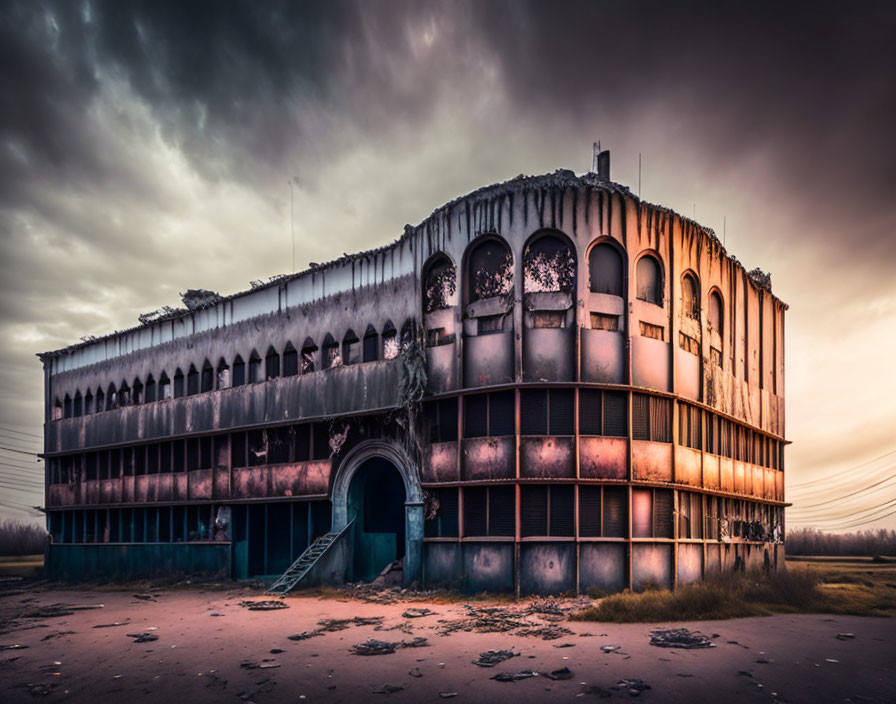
(547,385)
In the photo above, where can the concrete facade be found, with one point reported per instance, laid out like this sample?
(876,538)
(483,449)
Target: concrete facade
(601,405)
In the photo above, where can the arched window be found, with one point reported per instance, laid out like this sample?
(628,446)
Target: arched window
(137,391)
(650,280)
(124,394)
(207,382)
(331,356)
(178,383)
(67,407)
(57,410)
(549,282)
(716,313)
(165,390)
(351,348)
(254,368)
(88,403)
(371,344)
(309,350)
(271,364)
(77,405)
(290,360)
(111,398)
(605,269)
(439,285)
(149,391)
(192,380)
(390,341)
(549,266)
(489,278)
(407,332)
(489,270)
(239,371)
(222,375)
(100,401)
(690,296)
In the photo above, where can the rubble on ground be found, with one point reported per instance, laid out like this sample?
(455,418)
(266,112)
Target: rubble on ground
(680,638)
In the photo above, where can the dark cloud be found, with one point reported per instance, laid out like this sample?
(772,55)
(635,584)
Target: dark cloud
(145,148)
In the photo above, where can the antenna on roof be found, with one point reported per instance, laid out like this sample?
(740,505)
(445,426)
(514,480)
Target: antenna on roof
(292,222)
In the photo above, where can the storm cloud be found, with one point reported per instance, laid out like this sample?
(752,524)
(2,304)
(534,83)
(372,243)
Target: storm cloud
(148,148)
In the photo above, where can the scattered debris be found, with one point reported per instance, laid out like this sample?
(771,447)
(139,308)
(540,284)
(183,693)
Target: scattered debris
(447,695)
(388,689)
(266,664)
(845,636)
(38,690)
(610,648)
(55,610)
(414,612)
(633,686)
(13,646)
(330,625)
(215,614)
(680,638)
(565,645)
(564,673)
(382,647)
(514,676)
(276,651)
(143,637)
(596,691)
(144,597)
(305,635)
(415,672)
(57,634)
(490,658)
(264,605)
(112,625)
(374,647)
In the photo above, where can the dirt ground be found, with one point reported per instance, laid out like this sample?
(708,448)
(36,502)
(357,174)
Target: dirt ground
(210,648)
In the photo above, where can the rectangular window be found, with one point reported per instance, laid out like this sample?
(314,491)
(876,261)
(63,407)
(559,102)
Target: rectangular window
(615,513)
(689,426)
(651,418)
(715,357)
(652,511)
(489,415)
(600,321)
(440,418)
(688,344)
(656,332)
(590,500)
(320,441)
(549,318)
(441,514)
(490,511)
(603,413)
(547,412)
(547,510)
(490,324)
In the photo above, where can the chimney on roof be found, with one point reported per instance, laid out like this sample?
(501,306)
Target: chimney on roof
(600,162)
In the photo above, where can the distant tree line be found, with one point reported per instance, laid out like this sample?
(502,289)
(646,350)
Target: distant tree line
(17,538)
(810,541)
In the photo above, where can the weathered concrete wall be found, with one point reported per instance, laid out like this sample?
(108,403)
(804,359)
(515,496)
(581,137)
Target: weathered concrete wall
(547,568)
(603,566)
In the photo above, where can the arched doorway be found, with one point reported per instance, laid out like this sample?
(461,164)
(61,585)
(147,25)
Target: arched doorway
(376,502)
(347,498)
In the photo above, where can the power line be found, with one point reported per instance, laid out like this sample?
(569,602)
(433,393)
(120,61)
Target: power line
(846,496)
(848,515)
(12,449)
(21,432)
(862,522)
(13,438)
(845,471)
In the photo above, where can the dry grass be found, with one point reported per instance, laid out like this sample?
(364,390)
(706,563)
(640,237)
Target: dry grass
(842,590)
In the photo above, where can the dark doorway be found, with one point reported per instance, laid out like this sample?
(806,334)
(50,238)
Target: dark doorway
(376,503)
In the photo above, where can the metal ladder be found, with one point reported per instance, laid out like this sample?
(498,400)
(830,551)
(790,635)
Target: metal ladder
(302,566)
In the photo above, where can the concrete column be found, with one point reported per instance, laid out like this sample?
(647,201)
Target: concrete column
(413,527)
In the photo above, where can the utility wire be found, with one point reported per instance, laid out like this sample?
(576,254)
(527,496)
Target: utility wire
(13,438)
(845,471)
(843,516)
(21,432)
(854,493)
(862,522)
(12,449)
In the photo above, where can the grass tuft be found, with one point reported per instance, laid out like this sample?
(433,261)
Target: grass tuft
(794,590)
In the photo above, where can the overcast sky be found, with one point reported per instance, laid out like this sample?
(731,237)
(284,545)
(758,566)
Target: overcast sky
(145,148)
